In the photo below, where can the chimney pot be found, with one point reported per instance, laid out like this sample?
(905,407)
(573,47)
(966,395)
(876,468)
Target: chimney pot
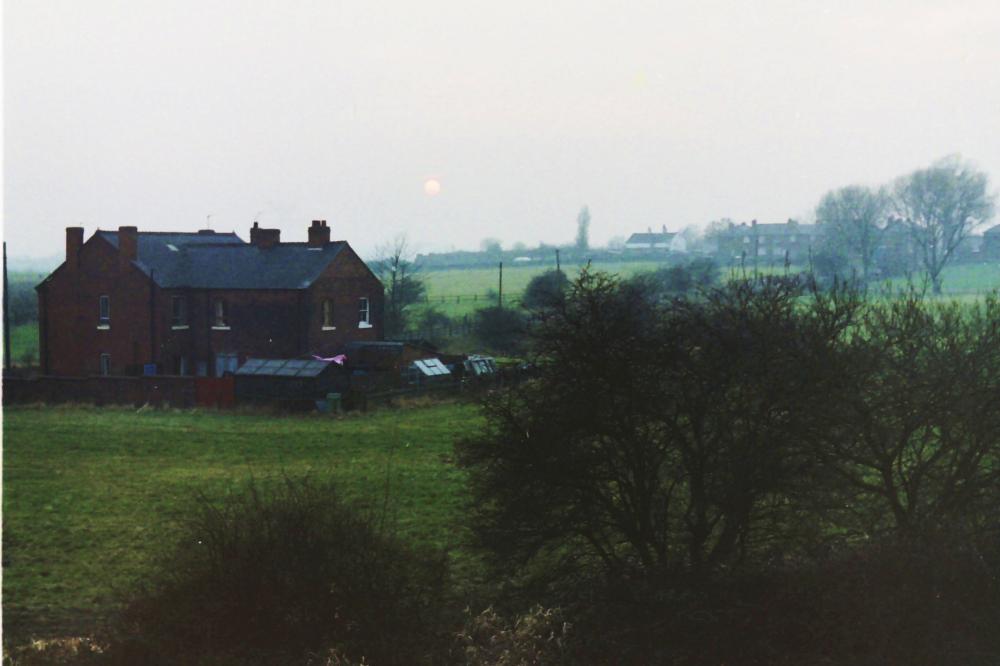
(74,241)
(319,233)
(264,238)
(128,245)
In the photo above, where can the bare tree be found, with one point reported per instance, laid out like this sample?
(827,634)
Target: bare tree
(403,288)
(941,206)
(916,439)
(853,219)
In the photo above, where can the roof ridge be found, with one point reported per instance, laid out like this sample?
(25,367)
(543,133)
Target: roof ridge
(170,233)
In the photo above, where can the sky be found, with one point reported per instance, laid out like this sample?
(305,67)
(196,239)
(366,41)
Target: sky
(177,115)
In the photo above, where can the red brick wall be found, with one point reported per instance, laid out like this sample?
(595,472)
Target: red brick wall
(345,281)
(261,323)
(173,391)
(70,340)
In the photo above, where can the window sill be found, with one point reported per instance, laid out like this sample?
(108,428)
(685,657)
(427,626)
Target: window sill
(364,324)
(182,327)
(329,328)
(221,328)
(104,327)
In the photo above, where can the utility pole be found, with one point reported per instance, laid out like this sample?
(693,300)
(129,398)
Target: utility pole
(558,268)
(6,313)
(500,292)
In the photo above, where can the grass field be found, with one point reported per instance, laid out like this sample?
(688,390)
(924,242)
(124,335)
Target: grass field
(24,344)
(461,291)
(90,494)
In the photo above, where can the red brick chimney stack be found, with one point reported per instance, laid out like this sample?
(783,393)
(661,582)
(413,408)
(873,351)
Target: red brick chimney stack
(128,245)
(74,241)
(264,238)
(319,233)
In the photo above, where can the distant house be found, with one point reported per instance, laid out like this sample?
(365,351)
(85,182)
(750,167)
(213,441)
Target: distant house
(767,243)
(650,240)
(896,252)
(991,244)
(970,250)
(127,302)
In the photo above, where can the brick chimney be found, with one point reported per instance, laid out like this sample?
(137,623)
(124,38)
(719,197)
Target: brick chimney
(128,245)
(74,241)
(264,238)
(319,233)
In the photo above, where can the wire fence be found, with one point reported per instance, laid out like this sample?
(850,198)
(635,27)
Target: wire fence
(487,298)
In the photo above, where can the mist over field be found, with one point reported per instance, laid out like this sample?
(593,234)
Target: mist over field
(454,122)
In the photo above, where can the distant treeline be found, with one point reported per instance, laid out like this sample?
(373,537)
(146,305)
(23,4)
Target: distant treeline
(22,299)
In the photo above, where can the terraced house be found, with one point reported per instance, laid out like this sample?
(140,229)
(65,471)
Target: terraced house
(768,243)
(127,302)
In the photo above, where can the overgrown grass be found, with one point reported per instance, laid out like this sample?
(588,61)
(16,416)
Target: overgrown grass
(89,493)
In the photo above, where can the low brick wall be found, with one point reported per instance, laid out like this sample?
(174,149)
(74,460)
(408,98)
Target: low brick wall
(173,391)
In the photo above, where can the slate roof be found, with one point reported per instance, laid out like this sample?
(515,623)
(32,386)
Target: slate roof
(992,231)
(225,261)
(782,229)
(650,237)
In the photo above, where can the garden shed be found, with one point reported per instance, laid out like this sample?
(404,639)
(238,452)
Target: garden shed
(289,380)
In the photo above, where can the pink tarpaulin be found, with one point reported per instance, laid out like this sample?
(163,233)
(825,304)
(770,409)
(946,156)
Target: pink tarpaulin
(338,359)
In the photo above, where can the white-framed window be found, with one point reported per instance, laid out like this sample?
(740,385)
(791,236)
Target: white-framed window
(105,366)
(364,313)
(220,314)
(328,315)
(104,310)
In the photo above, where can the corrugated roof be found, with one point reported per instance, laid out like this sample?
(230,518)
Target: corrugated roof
(225,261)
(282,367)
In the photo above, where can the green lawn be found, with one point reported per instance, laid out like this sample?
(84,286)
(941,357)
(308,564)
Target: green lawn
(89,493)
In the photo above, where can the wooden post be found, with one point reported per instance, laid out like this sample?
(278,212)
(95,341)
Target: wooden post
(152,322)
(6,313)
(558,267)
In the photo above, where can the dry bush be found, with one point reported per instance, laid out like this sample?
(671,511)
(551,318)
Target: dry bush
(54,652)
(537,637)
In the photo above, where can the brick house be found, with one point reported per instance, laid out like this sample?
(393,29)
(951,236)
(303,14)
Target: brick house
(767,243)
(991,244)
(650,240)
(201,303)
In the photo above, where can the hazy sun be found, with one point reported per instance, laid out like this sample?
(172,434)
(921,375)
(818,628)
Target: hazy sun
(432,187)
